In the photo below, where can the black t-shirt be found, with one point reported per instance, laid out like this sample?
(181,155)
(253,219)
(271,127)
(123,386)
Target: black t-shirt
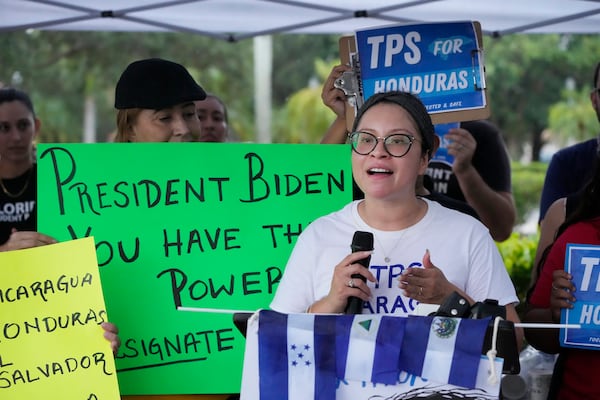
(569,170)
(449,202)
(18,204)
(490,160)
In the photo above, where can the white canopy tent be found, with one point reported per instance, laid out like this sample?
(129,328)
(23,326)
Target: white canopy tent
(234,20)
(240,19)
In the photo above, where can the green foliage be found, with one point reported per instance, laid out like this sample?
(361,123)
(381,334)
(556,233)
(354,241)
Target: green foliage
(66,68)
(306,118)
(527,183)
(526,74)
(293,61)
(518,253)
(573,119)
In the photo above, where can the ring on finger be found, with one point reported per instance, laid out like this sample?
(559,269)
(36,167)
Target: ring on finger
(351,283)
(421,291)
(554,287)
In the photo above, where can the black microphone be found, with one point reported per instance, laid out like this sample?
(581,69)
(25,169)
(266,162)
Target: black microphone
(362,241)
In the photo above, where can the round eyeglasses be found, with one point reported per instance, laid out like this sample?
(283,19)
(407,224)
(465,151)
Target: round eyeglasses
(397,145)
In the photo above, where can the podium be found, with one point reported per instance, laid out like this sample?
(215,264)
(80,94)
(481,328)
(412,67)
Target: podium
(365,355)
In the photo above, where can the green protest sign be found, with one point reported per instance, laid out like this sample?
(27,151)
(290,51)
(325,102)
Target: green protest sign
(181,226)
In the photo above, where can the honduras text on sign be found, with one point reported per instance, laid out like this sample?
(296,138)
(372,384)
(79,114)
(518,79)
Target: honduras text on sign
(439,62)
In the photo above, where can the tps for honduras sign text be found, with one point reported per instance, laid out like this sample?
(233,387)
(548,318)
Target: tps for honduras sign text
(583,263)
(52,344)
(439,62)
(187,225)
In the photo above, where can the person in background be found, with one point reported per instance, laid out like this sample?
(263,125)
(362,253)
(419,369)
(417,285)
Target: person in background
(575,369)
(213,118)
(570,168)
(417,255)
(19,126)
(567,173)
(480,175)
(156,102)
(335,100)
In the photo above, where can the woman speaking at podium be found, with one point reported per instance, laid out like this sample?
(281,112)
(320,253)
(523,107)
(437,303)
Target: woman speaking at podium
(423,252)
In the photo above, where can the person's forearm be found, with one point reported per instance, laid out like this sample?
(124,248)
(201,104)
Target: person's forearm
(545,340)
(496,210)
(512,315)
(336,134)
(323,307)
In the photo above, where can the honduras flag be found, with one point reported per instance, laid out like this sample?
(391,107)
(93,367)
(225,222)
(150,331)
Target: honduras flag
(296,358)
(306,356)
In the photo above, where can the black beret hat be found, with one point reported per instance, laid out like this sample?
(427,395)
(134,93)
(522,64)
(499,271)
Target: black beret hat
(155,84)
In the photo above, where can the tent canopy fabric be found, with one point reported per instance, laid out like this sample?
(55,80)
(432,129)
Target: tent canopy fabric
(234,20)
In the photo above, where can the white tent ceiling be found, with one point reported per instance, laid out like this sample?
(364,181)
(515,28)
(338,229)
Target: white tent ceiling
(240,19)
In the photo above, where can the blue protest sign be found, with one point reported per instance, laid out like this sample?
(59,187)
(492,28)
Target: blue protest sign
(442,155)
(583,263)
(440,62)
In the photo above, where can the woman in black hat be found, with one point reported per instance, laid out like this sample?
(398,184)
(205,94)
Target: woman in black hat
(155,102)
(155,99)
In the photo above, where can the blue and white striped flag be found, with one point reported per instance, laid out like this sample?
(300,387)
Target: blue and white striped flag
(307,356)
(444,350)
(296,357)
(368,347)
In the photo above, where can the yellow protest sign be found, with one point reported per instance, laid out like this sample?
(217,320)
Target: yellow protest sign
(51,341)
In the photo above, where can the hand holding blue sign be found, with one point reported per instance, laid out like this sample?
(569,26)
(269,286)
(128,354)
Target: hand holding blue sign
(581,276)
(462,147)
(442,154)
(562,293)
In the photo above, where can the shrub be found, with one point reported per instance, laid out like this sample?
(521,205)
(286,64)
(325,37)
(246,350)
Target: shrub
(527,183)
(518,253)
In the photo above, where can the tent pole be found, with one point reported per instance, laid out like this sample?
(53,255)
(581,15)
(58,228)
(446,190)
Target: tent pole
(263,65)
